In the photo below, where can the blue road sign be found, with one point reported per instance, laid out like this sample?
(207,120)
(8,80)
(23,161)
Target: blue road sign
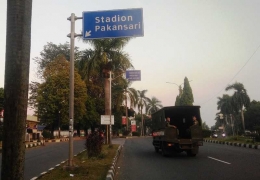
(133,75)
(113,23)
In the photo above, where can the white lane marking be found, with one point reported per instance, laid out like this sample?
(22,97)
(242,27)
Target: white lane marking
(219,160)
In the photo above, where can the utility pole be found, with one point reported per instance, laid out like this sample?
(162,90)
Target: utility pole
(72,36)
(126,111)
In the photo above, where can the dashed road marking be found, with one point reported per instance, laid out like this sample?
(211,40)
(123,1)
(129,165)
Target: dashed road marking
(219,160)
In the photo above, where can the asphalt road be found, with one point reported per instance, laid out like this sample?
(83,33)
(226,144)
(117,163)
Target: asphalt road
(139,161)
(42,158)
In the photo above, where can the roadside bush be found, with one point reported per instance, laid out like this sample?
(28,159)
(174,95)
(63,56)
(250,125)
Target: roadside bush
(256,137)
(47,134)
(206,133)
(135,134)
(125,133)
(94,144)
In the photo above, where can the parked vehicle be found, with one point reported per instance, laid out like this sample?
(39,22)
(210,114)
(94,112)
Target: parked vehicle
(187,136)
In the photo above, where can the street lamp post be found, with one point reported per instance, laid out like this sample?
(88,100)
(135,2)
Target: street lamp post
(178,85)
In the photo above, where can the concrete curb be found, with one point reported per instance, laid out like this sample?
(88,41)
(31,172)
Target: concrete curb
(34,178)
(111,172)
(234,144)
(41,143)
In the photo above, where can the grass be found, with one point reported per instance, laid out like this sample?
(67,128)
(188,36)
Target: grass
(87,168)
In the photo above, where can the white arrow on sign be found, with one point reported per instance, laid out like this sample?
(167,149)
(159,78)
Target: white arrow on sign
(87,34)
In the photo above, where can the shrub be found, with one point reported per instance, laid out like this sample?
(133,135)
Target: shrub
(47,134)
(94,144)
(125,133)
(206,133)
(135,134)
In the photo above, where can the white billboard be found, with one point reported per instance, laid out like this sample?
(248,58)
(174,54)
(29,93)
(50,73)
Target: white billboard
(105,119)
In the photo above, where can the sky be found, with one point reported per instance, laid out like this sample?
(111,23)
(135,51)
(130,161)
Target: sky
(213,43)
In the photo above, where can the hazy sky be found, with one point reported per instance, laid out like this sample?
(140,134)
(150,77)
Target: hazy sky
(212,42)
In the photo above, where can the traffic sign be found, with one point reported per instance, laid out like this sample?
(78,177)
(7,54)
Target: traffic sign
(113,23)
(133,75)
(105,119)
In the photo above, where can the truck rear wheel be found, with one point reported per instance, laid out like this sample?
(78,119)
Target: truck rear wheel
(191,154)
(164,151)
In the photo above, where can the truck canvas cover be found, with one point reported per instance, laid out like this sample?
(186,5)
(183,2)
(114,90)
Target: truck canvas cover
(181,117)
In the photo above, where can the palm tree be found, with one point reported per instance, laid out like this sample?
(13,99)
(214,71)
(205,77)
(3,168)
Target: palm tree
(153,105)
(240,99)
(225,105)
(18,42)
(122,92)
(141,103)
(106,55)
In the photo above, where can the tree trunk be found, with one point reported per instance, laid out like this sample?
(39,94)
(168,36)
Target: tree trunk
(18,42)
(142,130)
(243,120)
(107,105)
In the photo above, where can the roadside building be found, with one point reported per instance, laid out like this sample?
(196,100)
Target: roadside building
(32,132)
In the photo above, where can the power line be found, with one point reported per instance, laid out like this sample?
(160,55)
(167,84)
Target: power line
(234,75)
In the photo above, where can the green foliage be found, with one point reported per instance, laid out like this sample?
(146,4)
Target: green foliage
(50,52)
(94,107)
(225,104)
(94,144)
(51,98)
(47,134)
(153,105)
(240,97)
(187,96)
(135,133)
(205,126)
(252,115)
(206,133)
(178,100)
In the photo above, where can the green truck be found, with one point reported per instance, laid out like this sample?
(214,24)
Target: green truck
(181,134)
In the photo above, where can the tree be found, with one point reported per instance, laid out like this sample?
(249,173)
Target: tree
(178,97)
(122,93)
(187,96)
(141,103)
(252,116)
(153,105)
(18,42)
(52,96)
(205,126)
(51,51)
(225,106)
(106,55)
(240,99)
